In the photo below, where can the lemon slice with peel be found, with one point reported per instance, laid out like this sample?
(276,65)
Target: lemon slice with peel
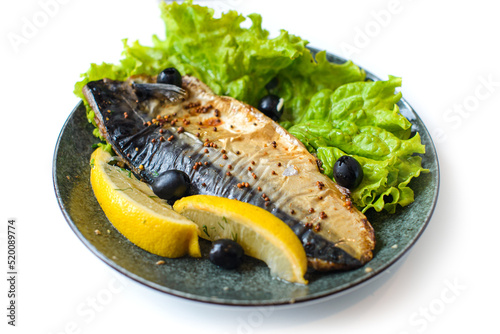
(259,232)
(135,211)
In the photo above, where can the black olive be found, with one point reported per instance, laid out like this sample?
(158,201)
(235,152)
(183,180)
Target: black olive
(272,84)
(272,106)
(172,184)
(347,172)
(170,76)
(226,253)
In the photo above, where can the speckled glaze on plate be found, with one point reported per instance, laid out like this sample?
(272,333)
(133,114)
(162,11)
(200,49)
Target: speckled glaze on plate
(198,279)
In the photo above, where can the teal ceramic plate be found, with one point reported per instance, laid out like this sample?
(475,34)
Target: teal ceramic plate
(198,279)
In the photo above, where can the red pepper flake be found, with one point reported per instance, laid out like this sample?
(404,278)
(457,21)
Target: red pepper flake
(323,215)
(311,210)
(192,105)
(348,204)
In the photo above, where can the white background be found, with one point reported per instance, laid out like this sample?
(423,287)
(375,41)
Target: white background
(446,52)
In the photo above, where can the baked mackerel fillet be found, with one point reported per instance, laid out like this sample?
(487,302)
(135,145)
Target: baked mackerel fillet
(231,149)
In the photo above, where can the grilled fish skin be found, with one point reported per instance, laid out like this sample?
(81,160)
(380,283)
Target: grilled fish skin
(231,149)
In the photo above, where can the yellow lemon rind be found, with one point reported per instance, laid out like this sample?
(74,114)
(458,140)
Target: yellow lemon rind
(218,217)
(142,218)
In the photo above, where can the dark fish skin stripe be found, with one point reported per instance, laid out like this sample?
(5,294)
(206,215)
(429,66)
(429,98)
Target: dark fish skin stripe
(133,141)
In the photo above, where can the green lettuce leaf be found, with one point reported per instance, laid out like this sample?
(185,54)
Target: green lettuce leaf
(231,60)
(362,120)
(328,106)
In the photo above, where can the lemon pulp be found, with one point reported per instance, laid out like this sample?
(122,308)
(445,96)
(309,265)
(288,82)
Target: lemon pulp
(135,211)
(260,233)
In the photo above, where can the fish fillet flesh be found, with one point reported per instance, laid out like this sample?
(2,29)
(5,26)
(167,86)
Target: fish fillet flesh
(231,149)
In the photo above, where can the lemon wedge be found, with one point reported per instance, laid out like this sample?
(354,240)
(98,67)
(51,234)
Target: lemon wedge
(135,211)
(260,233)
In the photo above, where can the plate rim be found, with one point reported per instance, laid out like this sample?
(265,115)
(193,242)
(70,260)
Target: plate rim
(231,302)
